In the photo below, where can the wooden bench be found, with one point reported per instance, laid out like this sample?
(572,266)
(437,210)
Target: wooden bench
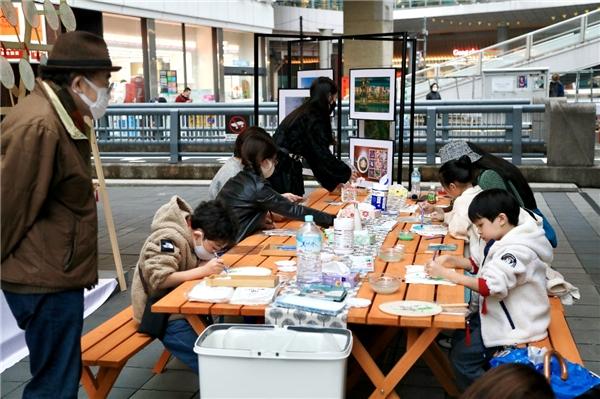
(559,335)
(109,347)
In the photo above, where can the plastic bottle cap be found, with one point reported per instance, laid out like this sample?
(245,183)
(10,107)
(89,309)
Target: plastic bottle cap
(380,187)
(309,218)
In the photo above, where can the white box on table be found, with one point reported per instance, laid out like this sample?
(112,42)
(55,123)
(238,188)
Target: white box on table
(264,361)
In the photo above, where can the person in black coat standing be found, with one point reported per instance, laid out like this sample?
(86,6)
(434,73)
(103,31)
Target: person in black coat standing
(306,133)
(433,92)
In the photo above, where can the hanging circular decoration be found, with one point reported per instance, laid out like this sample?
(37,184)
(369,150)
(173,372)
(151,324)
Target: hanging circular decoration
(9,12)
(67,17)
(26,74)
(30,12)
(51,16)
(7,77)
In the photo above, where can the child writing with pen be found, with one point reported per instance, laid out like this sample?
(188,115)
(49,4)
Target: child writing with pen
(183,245)
(512,306)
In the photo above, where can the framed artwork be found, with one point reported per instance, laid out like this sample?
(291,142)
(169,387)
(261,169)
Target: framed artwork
(305,78)
(290,99)
(372,159)
(379,130)
(373,94)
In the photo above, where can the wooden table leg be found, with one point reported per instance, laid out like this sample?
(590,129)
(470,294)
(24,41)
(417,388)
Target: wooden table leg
(160,365)
(196,322)
(374,350)
(98,387)
(413,353)
(440,367)
(367,363)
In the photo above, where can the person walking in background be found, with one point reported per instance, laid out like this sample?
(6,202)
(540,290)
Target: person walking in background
(49,219)
(433,92)
(556,87)
(184,97)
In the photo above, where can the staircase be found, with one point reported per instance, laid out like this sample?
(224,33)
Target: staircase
(570,45)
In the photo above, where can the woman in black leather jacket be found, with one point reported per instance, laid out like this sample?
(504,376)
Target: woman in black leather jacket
(250,195)
(306,133)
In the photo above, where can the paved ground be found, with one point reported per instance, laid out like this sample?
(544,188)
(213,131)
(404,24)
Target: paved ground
(576,216)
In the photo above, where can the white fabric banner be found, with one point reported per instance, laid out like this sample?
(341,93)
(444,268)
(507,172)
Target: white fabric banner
(12,338)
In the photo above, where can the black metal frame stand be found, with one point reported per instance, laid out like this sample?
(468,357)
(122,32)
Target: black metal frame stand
(393,36)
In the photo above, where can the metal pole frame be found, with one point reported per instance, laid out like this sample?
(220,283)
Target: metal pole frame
(413,66)
(392,36)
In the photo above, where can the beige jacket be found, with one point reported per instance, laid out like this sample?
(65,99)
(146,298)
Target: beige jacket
(157,260)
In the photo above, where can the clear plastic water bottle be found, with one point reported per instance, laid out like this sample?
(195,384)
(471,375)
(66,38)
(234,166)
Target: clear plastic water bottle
(308,250)
(415,183)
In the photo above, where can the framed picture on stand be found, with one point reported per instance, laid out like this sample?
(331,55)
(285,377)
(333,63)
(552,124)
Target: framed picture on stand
(305,78)
(373,94)
(290,99)
(372,159)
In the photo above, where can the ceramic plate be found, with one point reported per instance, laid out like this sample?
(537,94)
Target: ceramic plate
(26,74)
(51,16)
(7,77)
(362,164)
(250,271)
(67,17)
(411,308)
(30,12)
(8,10)
(285,263)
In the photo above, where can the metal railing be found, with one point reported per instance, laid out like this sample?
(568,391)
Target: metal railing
(166,130)
(513,52)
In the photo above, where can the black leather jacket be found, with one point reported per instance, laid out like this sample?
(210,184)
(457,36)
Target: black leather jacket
(250,197)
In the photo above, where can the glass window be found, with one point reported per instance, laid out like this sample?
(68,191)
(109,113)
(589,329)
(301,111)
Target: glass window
(169,60)
(199,62)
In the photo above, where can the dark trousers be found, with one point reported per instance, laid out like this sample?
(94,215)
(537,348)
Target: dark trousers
(52,324)
(469,362)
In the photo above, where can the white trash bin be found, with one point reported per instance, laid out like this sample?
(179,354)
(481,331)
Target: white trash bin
(264,361)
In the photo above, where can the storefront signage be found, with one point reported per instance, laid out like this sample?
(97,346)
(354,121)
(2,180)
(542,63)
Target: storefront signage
(168,81)
(463,53)
(15,54)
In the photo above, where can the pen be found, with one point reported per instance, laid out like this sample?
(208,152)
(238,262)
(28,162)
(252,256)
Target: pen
(225,267)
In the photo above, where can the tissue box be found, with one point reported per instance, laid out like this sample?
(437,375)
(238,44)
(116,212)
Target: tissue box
(362,263)
(367,211)
(348,280)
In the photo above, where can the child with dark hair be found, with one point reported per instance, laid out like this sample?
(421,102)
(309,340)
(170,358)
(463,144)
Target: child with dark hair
(233,165)
(512,305)
(250,195)
(457,178)
(510,381)
(183,245)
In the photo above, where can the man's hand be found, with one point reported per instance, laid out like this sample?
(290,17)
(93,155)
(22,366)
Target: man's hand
(213,266)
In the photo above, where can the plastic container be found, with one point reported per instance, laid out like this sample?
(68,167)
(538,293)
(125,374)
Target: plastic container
(308,247)
(415,183)
(343,231)
(384,283)
(259,361)
(432,195)
(393,254)
(379,194)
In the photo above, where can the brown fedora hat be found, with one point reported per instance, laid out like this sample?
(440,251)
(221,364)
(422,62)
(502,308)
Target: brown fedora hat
(80,50)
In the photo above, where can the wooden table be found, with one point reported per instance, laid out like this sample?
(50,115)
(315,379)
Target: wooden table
(420,331)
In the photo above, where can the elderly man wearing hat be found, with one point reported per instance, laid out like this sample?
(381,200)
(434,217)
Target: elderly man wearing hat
(49,219)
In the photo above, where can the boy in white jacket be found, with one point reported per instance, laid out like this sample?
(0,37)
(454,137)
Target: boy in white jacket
(513,303)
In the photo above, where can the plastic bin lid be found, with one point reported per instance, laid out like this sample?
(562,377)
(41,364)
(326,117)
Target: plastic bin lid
(264,341)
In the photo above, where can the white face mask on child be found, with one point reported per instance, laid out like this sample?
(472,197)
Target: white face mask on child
(201,252)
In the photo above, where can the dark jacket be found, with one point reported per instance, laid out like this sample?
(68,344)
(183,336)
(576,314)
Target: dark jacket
(308,136)
(250,197)
(49,220)
(433,95)
(557,89)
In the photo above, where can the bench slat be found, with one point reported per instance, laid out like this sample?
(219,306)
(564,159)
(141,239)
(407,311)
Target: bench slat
(110,342)
(99,333)
(120,354)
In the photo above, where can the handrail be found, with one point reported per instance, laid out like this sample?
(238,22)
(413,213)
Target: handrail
(482,51)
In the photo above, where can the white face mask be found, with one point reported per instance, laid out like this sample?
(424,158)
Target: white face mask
(434,89)
(268,172)
(97,108)
(202,253)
